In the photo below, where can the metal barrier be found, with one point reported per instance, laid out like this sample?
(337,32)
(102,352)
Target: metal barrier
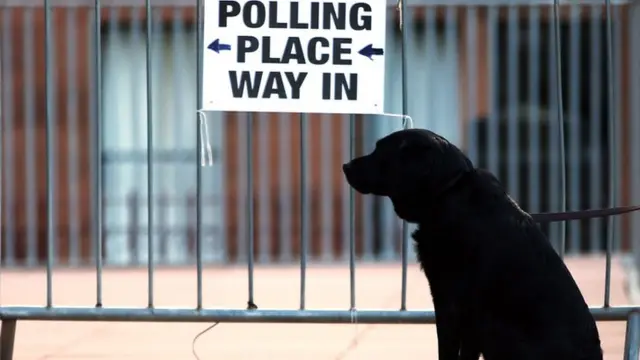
(98,230)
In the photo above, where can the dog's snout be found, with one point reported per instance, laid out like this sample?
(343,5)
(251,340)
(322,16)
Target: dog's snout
(356,172)
(347,169)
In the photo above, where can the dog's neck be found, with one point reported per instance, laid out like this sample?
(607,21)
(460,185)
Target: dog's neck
(452,184)
(432,207)
(456,180)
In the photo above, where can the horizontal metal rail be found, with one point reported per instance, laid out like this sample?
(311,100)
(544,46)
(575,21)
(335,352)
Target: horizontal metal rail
(619,313)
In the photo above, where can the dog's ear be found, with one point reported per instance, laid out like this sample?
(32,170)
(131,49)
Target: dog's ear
(468,164)
(433,165)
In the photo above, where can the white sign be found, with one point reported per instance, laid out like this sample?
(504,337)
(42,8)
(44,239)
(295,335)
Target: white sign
(294,56)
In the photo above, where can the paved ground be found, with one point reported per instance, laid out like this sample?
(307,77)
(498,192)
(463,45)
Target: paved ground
(378,286)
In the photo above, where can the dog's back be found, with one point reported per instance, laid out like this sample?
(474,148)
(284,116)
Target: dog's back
(521,299)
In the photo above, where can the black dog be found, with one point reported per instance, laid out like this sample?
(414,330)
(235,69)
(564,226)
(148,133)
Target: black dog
(498,287)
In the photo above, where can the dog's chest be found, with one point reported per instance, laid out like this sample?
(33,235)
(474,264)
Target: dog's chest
(442,257)
(447,271)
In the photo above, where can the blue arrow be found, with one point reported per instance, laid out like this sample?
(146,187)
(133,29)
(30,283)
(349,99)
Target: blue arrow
(217,46)
(369,51)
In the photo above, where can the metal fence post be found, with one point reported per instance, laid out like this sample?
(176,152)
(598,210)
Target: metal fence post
(7,338)
(632,337)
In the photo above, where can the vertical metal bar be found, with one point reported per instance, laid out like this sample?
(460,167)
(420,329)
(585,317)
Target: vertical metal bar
(634,94)
(97,155)
(72,139)
(50,150)
(243,210)
(90,46)
(249,207)
(264,209)
(284,130)
(1,166)
(552,135)
(432,48)
(595,129)
(30,147)
(618,136)
(405,109)
(1,162)
(303,209)
(472,70)
(575,158)
(560,119)
(326,147)
(7,133)
(534,113)
(199,54)
(352,219)
(347,203)
(612,127)
(493,128)
(513,124)
(7,339)
(150,193)
(158,60)
(632,337)
(617,155)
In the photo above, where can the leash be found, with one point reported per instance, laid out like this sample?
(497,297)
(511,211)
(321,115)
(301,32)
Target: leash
(583,214)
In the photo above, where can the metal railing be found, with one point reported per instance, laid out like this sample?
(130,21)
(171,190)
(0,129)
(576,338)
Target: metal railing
(486,77)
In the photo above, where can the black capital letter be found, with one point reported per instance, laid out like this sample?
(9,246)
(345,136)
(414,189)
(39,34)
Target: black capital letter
(274,86)
(246,44)
(266,52)
(330,13)
(227,9)
(295,83)
(261,16)
(315,15)
(339,50)
(237,89)
(293,50)
(326,86)
(358,21)
(273,17)
(312,51)
(349,87)
(294,17)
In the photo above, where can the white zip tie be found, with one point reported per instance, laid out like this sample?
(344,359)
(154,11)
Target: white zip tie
(205,143)
(400,14)
(407,121)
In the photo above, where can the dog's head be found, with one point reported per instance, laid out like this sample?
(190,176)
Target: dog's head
(412,167)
